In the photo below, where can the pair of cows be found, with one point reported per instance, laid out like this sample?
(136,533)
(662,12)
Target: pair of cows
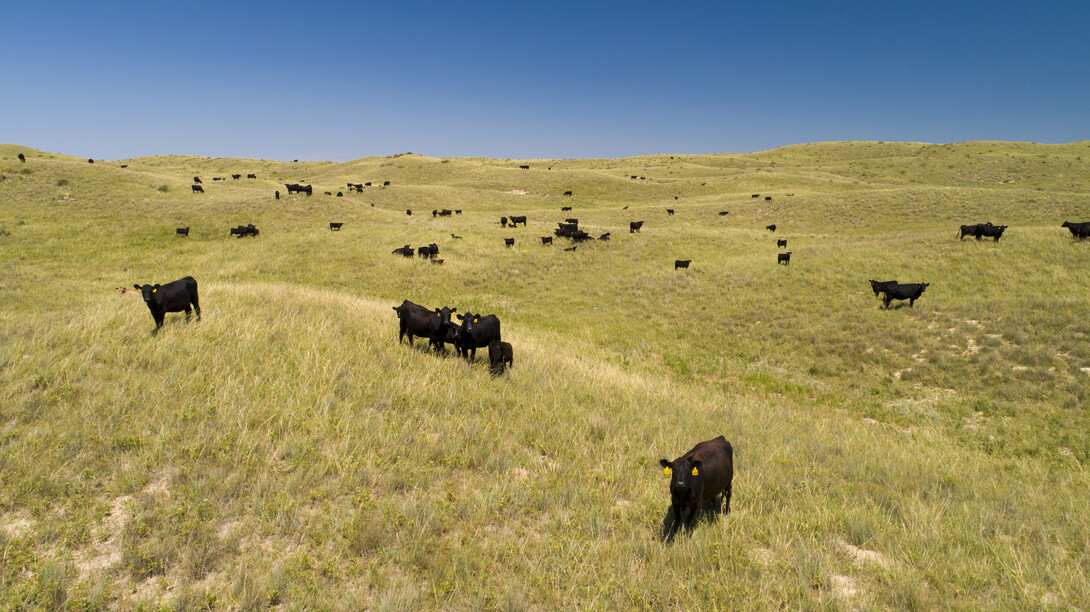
(982,230)
(898,291)
(513,220)
(245,230)
(430,251)
(476,331)
(297,188)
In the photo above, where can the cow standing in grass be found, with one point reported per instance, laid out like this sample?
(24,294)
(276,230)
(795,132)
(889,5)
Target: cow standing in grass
(477,331)
(416,320)
(700,475)
(176,296)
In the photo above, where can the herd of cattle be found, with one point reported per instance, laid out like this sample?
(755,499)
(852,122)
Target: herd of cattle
(476,331)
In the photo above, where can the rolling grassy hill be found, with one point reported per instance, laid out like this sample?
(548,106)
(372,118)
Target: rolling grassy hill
(286,451)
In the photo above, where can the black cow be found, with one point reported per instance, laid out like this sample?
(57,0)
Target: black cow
(546,240)
(124,165)
(500,356)
(632,177)
(570,249)
(434,213)
(438,261)
(781,243)
(329,193)
(416,320)
(197,180)
(90,161)
(564,208)
(236,176)
(909,291)
(22,158)
(181,231)
(756,195)
(445,213)
(220,178)
(567,193)
(670,211)
(699,475)
(516,220)
(771,228)
(408,211)
(1078,230)
(251,176)
(503,221)
(406,251)
(457,211)
(171,297)
(572,220)
(880,286)
(367,184)
(335,227)
(340,195)
(429,251)
(991,231)
(682,263)
(477,331)
(277,194)
(455,237)
(634,226)
(784,258)
(624,208)
(768,198)
(971,230)
(292,187)
(245,230)
(604,237)
(723,213)
(385,183)
(197,189)
(423,251)
(524,167)
(508,242)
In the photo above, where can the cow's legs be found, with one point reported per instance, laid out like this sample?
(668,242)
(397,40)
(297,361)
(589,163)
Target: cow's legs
(188,313)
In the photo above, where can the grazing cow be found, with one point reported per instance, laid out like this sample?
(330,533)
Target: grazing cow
(756,195)
(22,158)
(768,198)
(516,220)
(699,475)
(90,161)
(781,244)
(634,226)
(503,221)
(181,231)
(524,167)
(604,237)
(477,331)
(445,213)
(455,237)
(236,176)
(570,249)
(176,296)
(971,230)
(292,187)
(245,230)
(784,258)
(405,251)
(340,195)
(682,263)
(385,183)
(197,180)
(124,165)
(991,231)
(624,208)
(670,211)
(197,188)
(277,194)
(500,356)
(367,184)
(251,176)
(335,227)
(508,242)
(632,177)
(641,178)
(771,228)
(423,251)
(880,286)
(909,291)
(546,240)
(1078,231)
(329,193)
(416,320)
(438,261)
(723,213)
(567,193)
(220,178)
(565,208)
(572,220)
(408,211)
(457,211)
(433,250)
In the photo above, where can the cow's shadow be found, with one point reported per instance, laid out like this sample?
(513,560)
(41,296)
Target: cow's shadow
(710,510)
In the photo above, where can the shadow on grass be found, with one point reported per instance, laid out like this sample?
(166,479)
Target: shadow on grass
(710,509)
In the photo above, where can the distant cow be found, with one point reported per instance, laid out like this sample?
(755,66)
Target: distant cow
(632,177)
(565,208)
(768,198)
(634,226)
(500,356)
(416,320)
(197,180)
(90,161)
(434,212)
(335,227)
(408,211)
(445,213)
(367,184)
(756,195)
(723,213)
(784,258)
(508,242)
(176,296)
(1078,230)
(771,228)
(567,193)
(781,244)
(477,331)
(340,195)
(503,221)
(385,183)
(197,188)
(124,165)
(236,176)
(570,249)
(251,176)
(700,475)
(423,252)
(524,167)
(220,178)
(405,251)
(604,237)
(438,261)
(670,211)
(22,158)
(682,263)
(455,237)
(971,230)
(245,230)
(277,194)
(572,220)
(546,240)
(516,220)
(880,286)
(181,231)
(910,292)
(329,193)
(457,211)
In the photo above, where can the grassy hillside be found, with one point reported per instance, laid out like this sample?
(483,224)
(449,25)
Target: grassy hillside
(287,452)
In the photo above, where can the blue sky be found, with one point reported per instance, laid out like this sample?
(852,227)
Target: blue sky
(341,80)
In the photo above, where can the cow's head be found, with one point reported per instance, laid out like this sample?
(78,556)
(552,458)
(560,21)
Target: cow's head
(444,314)
(469,322)
(148,292)
(681,471)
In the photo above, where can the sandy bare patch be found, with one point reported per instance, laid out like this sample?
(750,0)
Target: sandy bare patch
(1086,370)
(974,422)
(18,524)
(971,347)
(763,556)
(844,586)
(517,192)
(160,487)
(106,550)
(862,556)
(1019,369)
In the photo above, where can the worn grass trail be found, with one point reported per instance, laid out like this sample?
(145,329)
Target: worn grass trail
(285,450)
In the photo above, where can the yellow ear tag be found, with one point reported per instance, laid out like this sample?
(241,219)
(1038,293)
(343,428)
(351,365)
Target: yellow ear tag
(474,320)
(695,473)
(154,290)
(666,471)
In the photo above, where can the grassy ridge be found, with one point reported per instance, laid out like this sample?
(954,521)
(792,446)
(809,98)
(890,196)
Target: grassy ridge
(286,450)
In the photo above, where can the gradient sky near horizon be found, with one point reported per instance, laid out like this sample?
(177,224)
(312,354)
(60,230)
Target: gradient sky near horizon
(342,80)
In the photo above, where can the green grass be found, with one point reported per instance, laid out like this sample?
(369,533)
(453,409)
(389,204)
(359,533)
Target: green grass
(286,451)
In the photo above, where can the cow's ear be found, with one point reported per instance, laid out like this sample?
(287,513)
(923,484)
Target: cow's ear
(664,463)
(460,317)
(156,285)
(453,310)
(696,463)
(136,286)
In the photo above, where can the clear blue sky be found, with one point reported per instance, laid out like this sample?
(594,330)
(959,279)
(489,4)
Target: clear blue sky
(341,80)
